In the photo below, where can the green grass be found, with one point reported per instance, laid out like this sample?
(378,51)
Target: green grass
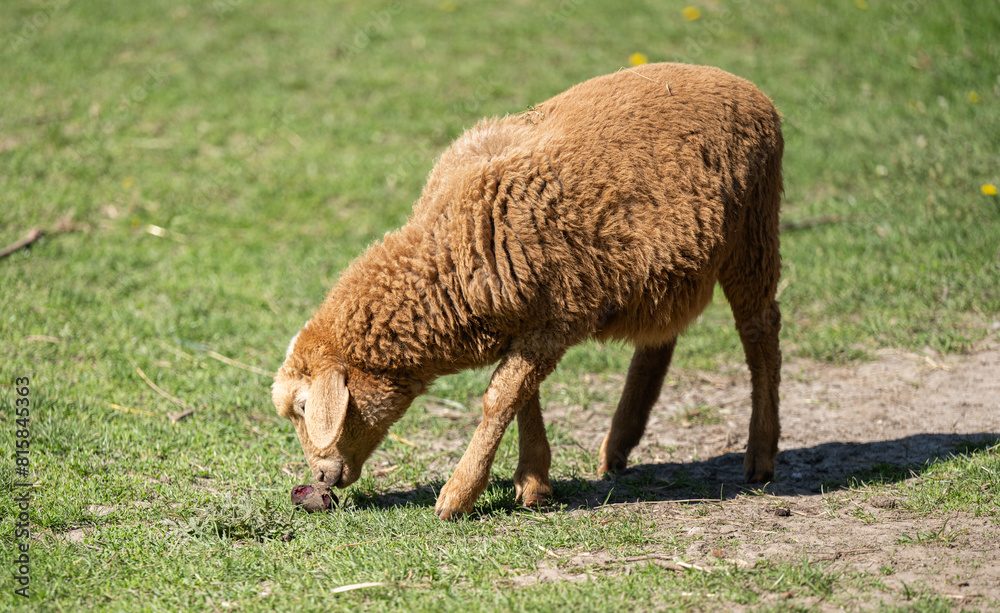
(968,482)
(222,161)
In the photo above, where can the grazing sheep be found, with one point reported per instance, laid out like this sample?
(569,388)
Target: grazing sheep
(608,211)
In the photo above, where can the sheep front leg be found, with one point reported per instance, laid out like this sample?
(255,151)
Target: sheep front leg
(514,383)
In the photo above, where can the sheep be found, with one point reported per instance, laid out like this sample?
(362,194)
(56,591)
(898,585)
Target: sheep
(608,212)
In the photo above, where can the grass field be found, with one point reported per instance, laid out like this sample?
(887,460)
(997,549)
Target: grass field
(204,171)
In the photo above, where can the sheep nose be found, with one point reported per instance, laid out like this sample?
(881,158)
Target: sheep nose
(329,473)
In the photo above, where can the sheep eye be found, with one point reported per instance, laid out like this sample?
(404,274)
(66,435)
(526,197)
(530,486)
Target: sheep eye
(300,409)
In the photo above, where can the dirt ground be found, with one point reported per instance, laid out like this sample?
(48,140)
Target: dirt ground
(903,409)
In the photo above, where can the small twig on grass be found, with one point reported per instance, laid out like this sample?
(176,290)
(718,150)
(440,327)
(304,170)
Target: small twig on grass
(687,500)
(33,235)
(668,563)
(159,391)
(794,512)
(232,362)
(649,556)
(130,410)
(176,417)
(836,554)
(63,224)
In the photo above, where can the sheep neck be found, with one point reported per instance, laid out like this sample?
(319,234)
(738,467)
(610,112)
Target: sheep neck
(395,309)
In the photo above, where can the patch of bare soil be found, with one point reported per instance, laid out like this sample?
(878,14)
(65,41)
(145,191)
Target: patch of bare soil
(903,409)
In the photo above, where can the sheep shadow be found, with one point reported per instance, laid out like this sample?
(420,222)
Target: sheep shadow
(803,471)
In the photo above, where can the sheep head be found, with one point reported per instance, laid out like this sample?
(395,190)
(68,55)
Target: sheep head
(340,413)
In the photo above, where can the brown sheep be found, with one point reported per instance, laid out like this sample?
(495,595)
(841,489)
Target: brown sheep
(607,212)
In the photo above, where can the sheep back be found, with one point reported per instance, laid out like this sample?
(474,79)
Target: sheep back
(606,211)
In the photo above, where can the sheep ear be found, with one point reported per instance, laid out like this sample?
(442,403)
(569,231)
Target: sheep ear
(326,408)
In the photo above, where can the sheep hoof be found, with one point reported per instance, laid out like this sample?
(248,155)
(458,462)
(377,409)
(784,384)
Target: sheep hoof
(449,506)
(760,477)
(610,463)
(609,468)
(757,472)
(534,500)
(448,513)
(532,491)
(534,495)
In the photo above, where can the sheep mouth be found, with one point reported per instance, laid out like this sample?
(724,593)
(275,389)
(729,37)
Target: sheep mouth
(338,476)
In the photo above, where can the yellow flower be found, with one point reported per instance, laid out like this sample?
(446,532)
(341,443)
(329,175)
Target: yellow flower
(638,59)
(448,6)
(989,189)
(691,13)
(128,182)
(973,97)
(861,4)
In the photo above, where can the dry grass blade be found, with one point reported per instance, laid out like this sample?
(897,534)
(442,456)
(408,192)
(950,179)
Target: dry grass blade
(234,363)
(687,566)
(685,501)
(548,552)
(360,586)
(41,338)
(159,391)
(836,555)
(402,440)
(381,472)
(458,406)
(174,350)
(437,407)
(668,563)
(349,545)
(130,410)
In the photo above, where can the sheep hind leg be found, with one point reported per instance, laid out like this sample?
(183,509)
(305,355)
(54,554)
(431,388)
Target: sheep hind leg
(531,479)
(758,320)
(642,388)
